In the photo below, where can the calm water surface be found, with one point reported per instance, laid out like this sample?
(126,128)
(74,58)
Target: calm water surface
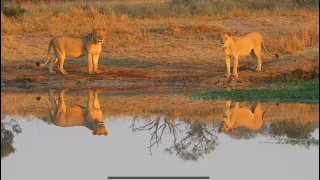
(151,135)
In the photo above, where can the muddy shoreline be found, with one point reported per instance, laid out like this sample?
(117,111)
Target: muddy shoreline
(103,81)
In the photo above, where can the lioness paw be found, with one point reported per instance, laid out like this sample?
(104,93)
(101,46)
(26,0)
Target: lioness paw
(235,76)
(98,72)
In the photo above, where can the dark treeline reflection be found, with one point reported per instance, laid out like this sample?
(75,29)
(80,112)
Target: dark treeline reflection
(198,140)
(8,129)
(192,140)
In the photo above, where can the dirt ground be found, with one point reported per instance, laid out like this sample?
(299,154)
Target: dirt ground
(194,60)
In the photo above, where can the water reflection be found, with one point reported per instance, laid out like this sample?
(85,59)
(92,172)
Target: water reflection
(191,127)
(8,129)
(180,134)
(247,117)
(76,115)
(249,123)
(294,134)
(191,139)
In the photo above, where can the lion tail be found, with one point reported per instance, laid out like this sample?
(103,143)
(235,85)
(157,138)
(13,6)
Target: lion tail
(277,104)
(275,54)
(48,55)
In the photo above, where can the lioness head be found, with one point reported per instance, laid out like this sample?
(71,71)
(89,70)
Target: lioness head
(225,127)
(100,129)
(99,34)
(225,39)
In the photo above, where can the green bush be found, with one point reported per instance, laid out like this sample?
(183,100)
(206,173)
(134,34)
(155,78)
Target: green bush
(14,11)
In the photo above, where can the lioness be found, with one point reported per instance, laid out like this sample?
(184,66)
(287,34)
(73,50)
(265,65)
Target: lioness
(75,47)
(242,46)
(76,115)
(242,117)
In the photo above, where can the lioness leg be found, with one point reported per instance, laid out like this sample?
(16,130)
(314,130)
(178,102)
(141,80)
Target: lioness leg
(253,55)
(61,95)
(228,104)
(52,63)
(257,52)
(90,100)
(227,59)
(96,104)
(61,62)
(53,102)
(90,67)
(61,105)
(235,67)
(94,111)
(95,63)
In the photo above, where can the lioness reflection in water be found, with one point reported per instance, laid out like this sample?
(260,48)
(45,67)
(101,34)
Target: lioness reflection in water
(247,117)
(76,115)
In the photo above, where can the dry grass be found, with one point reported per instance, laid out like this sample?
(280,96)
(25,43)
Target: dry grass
(169,37)
(172,39)
(173,8)
(55,17)
(151,38)
(296,40)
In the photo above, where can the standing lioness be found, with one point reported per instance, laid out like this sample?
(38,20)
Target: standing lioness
(75,47)
(242,46)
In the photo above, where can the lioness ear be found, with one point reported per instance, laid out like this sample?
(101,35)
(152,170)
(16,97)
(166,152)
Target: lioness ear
(230,34)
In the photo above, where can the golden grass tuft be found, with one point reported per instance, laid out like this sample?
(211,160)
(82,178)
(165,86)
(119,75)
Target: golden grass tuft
(296,40)
(236,12)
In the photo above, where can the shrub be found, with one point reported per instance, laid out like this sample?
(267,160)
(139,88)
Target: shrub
(14,11)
